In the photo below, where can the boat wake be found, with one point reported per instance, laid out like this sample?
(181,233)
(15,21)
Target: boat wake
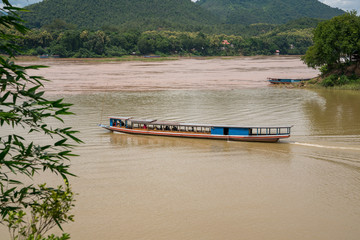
(324,146)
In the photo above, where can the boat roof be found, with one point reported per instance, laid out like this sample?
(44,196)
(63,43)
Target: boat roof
(171,123)
(196,125)
(120,118)
(166,123)
(232,126)
(143,121)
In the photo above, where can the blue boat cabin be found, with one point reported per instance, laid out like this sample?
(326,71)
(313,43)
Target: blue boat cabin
(249,131)
(231,131)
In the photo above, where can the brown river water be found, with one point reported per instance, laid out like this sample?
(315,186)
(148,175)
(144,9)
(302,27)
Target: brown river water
(157,188)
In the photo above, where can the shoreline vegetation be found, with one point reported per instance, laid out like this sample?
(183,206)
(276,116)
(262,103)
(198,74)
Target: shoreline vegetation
(141,58)
(333,80)
(124,58)
(330,82)
(336,52)
(317,83)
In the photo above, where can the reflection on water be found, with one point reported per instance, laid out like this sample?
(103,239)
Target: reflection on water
(334,113)
(193,145)
(145,187)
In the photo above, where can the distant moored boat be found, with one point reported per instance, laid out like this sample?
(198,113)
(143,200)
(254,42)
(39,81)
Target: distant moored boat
(287,80)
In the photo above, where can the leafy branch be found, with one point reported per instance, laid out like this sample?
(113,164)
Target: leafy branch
(29,210)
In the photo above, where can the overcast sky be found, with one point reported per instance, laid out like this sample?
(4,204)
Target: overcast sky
(346,5)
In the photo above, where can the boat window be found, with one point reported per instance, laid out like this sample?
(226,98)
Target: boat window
(270,131)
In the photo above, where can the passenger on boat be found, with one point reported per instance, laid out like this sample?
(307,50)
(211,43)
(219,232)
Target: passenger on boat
(174,128)
(167,128)
(145,127)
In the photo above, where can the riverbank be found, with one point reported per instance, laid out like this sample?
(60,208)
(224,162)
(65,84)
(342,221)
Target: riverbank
(342,81)
(149,58)
(343,76)
(315,83)
(127,58)
(335,81)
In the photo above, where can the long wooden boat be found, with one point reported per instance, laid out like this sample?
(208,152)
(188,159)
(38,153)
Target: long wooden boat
(206,131)
(286,80)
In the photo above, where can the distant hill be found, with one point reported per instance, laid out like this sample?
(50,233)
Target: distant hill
(183,15)
(96,14)
(267,11)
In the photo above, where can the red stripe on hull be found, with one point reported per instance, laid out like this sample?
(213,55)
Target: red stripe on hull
(203,136)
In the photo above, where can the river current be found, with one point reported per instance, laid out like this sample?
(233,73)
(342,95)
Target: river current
(144,187)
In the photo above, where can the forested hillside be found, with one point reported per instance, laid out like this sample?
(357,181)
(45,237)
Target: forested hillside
(142,14)
(267,11)
(222,16)
(112,28)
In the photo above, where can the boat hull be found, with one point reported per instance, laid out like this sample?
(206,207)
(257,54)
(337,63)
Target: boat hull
(250,138)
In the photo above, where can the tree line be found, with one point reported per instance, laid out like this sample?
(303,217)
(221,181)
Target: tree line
(113,43)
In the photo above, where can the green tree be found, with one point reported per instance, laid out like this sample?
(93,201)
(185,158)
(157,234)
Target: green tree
(70,40)
(147,42)
(336,43)
(59,25)
(27,208)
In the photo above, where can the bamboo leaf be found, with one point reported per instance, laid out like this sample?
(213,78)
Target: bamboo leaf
(61,142)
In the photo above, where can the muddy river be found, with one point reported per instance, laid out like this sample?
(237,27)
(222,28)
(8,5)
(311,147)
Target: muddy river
(157,188)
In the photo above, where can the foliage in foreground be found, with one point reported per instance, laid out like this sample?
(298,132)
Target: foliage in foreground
(27,208)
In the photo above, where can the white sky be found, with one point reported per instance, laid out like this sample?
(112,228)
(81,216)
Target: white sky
(346,5)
